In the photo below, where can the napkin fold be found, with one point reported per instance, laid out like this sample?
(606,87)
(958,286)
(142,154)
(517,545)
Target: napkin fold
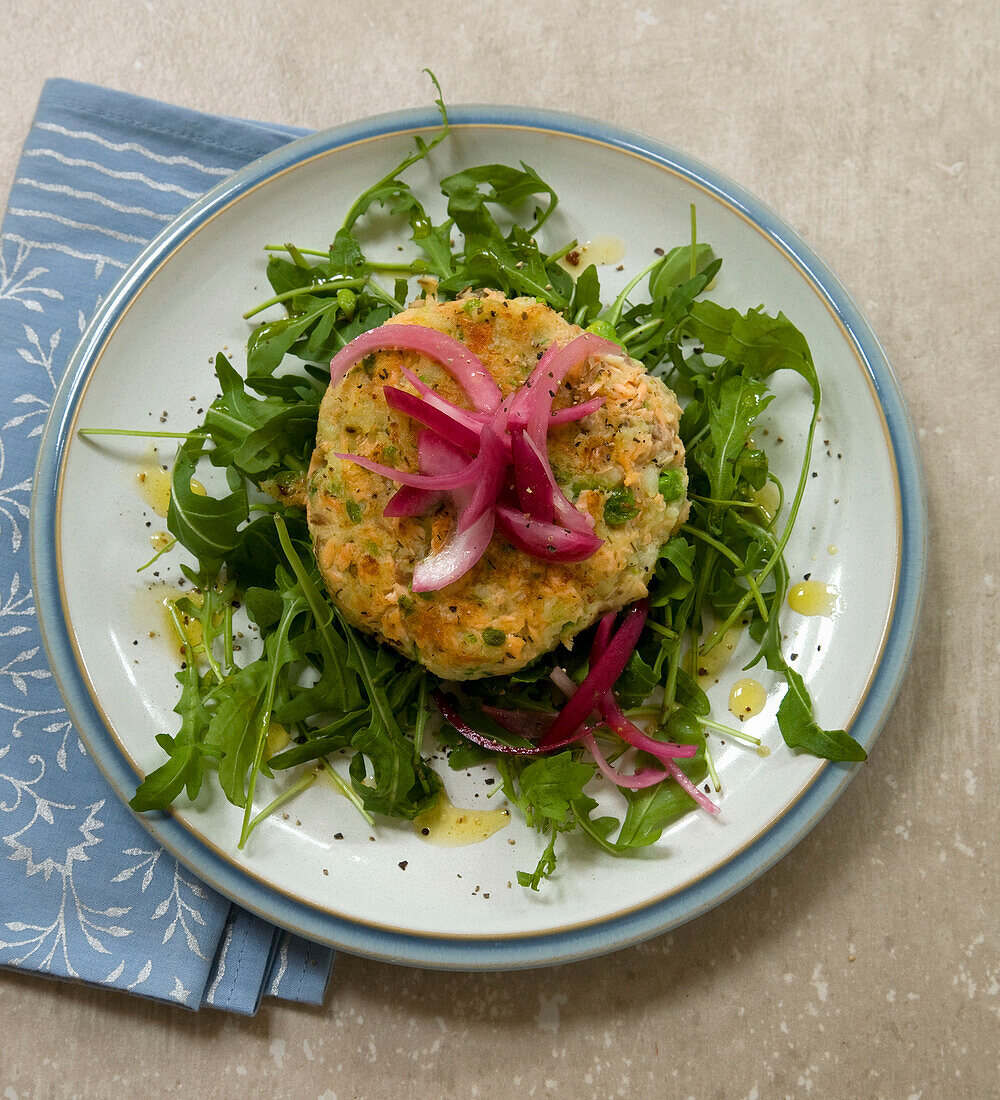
(85,892)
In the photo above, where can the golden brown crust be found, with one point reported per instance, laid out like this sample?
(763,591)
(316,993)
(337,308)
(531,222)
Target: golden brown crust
(367,560)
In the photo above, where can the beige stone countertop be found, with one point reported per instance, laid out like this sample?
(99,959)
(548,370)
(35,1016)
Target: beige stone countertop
(867,962)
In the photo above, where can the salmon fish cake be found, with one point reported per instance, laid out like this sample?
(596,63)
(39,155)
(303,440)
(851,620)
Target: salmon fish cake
(510,607)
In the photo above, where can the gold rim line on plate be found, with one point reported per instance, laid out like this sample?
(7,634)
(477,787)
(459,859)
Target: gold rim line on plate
(225,854)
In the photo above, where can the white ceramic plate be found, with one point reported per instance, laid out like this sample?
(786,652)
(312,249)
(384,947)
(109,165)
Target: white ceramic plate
(149,350)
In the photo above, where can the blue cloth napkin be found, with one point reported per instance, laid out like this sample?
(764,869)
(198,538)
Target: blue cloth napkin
(85,893)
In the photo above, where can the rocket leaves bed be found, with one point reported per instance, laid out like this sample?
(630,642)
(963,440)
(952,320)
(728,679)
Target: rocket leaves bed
(331,688)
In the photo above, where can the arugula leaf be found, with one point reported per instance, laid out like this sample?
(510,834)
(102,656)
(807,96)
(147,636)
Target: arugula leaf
(345,252)
(637,681)
(187,751)
(798,727)
(690,695)
(435,243)
(263,605)
(651,809)
(258,553)
(585,305)
(649,812)
(759,343)
(513,262)
(205,526)
(323,615)
(390,191)
(800,731)
(674,570)
(338,735)
(260,438)
(269,343)
(546,790)
(675,269)
(471,192)
(732,413)
(165,783)
(233,727)
(398,787)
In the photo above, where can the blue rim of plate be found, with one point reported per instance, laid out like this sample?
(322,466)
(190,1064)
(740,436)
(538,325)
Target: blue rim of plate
(545,948)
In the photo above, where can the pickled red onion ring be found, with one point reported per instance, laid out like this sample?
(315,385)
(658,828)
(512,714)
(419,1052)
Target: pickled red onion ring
(434,482)
(548,526)
(544,540)
(474,525)
(433,417)
(467,369)
(547,377)
(602,675)
(451,715)
(635,782)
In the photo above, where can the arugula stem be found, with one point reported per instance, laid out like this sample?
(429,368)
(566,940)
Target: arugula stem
(662,630)
(191,650)
(379,703)
(564,251)
(421,720)
(159,554)
(414,267)
(640,330)
(772,520)
(728,731)
(694,248)
(178,624)
(696,438)
(291,249)
(142,434)
(346,790)
(693,643)
(422,150)
(264,718)
(800,489)
(206,616)
(723,503)
(793,511)
(316,603)
(619,303)
(316,288)
(306,781)
(670,687)
(417,267)
(384,296)
(726,552)
(227,636)
(584,822)
(298,259)
(711,769)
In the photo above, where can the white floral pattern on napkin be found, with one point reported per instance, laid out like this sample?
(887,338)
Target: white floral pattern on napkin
(85,893)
